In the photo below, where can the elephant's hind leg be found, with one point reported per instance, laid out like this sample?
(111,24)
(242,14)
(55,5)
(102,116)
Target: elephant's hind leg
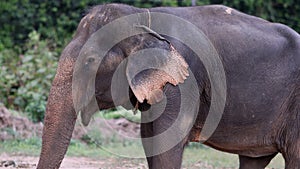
(292,155)
(290,145)
(255,163)
(293,163)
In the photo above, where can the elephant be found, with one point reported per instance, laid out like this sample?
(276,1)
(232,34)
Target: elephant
(261,63)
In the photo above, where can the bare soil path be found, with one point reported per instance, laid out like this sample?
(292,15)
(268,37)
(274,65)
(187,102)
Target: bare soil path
(28,162)
(7,162)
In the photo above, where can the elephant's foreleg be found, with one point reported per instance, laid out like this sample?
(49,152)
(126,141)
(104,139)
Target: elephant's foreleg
(161,158)
(147,132)
(170,159)
(171,150)
(166,138)
(255,163)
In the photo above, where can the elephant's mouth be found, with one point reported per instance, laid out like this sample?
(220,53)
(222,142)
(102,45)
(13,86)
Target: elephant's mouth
(86,117)
(91,108)
(140,106)
(88,111)
(97,103)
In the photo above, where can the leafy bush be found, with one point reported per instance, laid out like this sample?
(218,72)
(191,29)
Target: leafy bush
(25,79)
(56,20)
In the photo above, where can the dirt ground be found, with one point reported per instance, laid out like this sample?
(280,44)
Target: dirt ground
(12,162)
(7,162)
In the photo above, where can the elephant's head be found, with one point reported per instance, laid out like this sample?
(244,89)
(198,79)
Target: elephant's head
(80,62)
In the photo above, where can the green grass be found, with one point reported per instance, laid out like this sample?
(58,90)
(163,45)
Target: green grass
(120,112)
(220,159)
(109,150)
(21,147)
(192,155)
(215,158)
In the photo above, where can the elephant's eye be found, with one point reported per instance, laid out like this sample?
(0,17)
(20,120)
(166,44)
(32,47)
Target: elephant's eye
(90,60)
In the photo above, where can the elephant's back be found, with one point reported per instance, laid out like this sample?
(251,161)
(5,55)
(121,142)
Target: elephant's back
(262,66)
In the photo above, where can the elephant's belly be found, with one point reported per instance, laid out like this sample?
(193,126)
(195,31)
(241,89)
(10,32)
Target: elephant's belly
(251,140)
(250,151)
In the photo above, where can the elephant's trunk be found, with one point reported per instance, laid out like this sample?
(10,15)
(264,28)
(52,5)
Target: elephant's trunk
(59,121)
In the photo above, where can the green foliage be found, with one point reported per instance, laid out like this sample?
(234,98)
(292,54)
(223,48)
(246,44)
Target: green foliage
(25,79)
(56,20)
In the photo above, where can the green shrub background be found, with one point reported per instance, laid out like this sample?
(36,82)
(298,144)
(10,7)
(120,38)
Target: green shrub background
(33,33)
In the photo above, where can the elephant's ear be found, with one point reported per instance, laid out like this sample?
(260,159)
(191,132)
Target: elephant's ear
(149,70)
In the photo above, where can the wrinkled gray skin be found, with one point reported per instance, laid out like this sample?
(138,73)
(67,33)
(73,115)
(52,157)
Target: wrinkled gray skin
(262,66)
